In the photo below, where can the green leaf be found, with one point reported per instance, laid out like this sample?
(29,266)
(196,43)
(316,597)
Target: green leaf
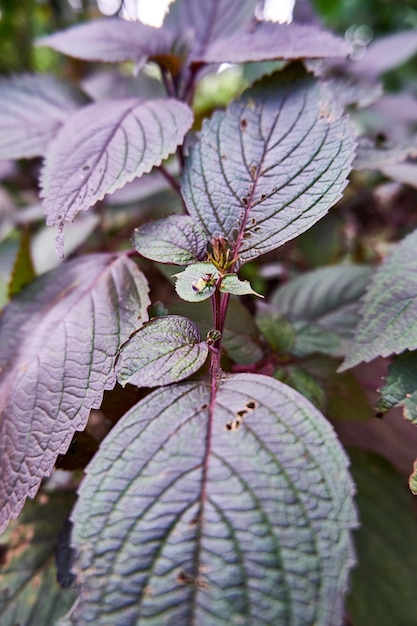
(401,386)
(412,482)
(323,307)
(300,380)
(174,239)
(270,166)
(23,270)
(383,585)
(231,284)
(29,592)
(197,282)
(215,510)
(277,330)
(165,350)
(389,308)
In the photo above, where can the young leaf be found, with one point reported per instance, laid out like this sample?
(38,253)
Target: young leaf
(232,284)
(383,584)
(323,307)
(104,146)
(29,591)
(270,166)
(401,386)
(412,481)
(59,339)
(185,517)
(269,41)
(32,110)
(389,308)
(111,40)
(197,282)
(176,239)
(164,351)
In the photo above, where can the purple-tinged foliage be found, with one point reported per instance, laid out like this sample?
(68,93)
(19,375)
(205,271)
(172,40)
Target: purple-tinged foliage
(270,166)
(226,510)
(387,53)
(164,351)
(176,239)
(104,146)
(32,110)
(267,41)
(59,339)
(111,40)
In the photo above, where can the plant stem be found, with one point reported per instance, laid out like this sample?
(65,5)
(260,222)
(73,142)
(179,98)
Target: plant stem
(174,183)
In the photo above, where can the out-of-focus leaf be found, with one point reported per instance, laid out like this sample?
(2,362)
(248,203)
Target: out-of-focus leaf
(29,592)
(277,330)
(323,307)
(202,509)
(387,157)
(303,382)
(268,41)
(270,166)
(325,242)
(413,480)
(23,271)
(176,239)
(389,308)
(401,386)
(382,585)
(111,40)
(59,339)
(387,53)
(201,22)
(32,110)
(104,146)
(165,350)
(405,173)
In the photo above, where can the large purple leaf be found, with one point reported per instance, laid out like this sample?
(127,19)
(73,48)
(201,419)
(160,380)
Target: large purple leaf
(233,509)
(268,41)
(270,166)
(32,109)
(111,40)
(202,22)
(59,339)
(106,145)
(389,308)
(166,350)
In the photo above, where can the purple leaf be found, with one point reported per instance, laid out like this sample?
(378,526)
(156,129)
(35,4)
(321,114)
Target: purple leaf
(387,53)
(164,351)
(111,40)
(105,145)
(202,22)
(174,239)
(59,339)
(270,166)
(201,509)
(268,41)
(32,109)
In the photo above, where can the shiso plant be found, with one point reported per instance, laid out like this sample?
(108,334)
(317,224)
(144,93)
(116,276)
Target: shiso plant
(220,494)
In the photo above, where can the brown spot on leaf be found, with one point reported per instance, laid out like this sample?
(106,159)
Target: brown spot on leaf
(243,123)
(251,405)
(185,579)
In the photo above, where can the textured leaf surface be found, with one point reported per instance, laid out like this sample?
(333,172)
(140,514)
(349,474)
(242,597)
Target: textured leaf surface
(383,585)
(189,519)
(206,21)
(59,339)
(389,308)
(269,41)
(165,350)
(29,592)
(111,40)
(104,146)
(32,110)
(270,166)
(401,386)
(323,306)
(174,239)
(232,284)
